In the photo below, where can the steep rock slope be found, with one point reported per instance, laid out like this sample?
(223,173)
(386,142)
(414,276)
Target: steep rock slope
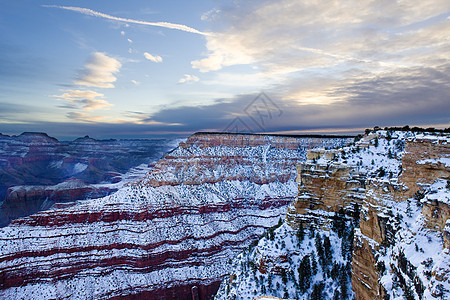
(383,203)
(174,230)
(401,249)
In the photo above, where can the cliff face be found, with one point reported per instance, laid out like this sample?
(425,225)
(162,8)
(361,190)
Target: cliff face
(401,241)
(388,196)
(160,236)
(403,232)
(309,255)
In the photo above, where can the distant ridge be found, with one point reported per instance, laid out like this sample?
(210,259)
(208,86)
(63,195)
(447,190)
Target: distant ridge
(281,135)
(30,135)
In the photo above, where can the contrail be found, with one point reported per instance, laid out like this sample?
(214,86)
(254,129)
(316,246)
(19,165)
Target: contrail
(90,12)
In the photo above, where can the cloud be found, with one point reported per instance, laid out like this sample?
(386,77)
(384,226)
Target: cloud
(414,96)
(130,41)
(210,15)
(135,82)
(147,119)
(85,99)
(410,96)
(83,117)
(93,13)
(188,78)
(153,58)
(293,35)
(99,71)
(122,33)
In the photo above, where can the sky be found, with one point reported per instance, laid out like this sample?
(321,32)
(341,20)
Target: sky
(170,68)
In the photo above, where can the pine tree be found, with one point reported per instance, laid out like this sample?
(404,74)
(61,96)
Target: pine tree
(343,284)
(337,295)
(304,274)
(283,276)
(327,249)
(356,213)
(317,291)
(263,289)
(408,208)
(320,251)
(335,271)
(313,264)
(280,222)
(338,224)
(311,232)
(300,233)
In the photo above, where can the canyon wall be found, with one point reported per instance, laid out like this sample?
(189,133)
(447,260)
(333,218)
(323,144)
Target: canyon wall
(400,247)
(175,229)
(383,204)
(31,164)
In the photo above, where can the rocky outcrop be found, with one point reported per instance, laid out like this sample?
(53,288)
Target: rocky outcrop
(330,187)
(388,250)
(23,199)
(425,160)
(175,229)
(384,204)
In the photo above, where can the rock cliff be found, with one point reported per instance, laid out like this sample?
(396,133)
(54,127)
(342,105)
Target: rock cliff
(175,229)
(383,205)
(401,249)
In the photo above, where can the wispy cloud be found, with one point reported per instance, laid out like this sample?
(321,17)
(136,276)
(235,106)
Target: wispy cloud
(291,35)
(83,117)
(86,99)
(188,78)
(90,12)
(153,58)
(99,71)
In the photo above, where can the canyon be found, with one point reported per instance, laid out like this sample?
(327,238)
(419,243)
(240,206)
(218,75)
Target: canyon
(169,235)
(243,216)
(37,171)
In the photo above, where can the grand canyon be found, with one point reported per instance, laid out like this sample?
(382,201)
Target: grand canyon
(239,216)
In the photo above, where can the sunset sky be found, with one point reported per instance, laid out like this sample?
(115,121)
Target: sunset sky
(169,68)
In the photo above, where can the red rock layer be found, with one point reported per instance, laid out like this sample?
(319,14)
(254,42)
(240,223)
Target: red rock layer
(159,237)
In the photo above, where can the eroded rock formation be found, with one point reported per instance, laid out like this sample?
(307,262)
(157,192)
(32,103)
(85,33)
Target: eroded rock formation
(31,164)
(176,228)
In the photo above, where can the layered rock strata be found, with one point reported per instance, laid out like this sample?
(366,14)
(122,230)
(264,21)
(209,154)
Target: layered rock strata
(31,164)
(159,237)
(394,188)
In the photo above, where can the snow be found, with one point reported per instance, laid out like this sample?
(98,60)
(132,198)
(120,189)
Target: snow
(267,175)
(284,251)
(438,191)
(378,157)
(79,167)
(442,160)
